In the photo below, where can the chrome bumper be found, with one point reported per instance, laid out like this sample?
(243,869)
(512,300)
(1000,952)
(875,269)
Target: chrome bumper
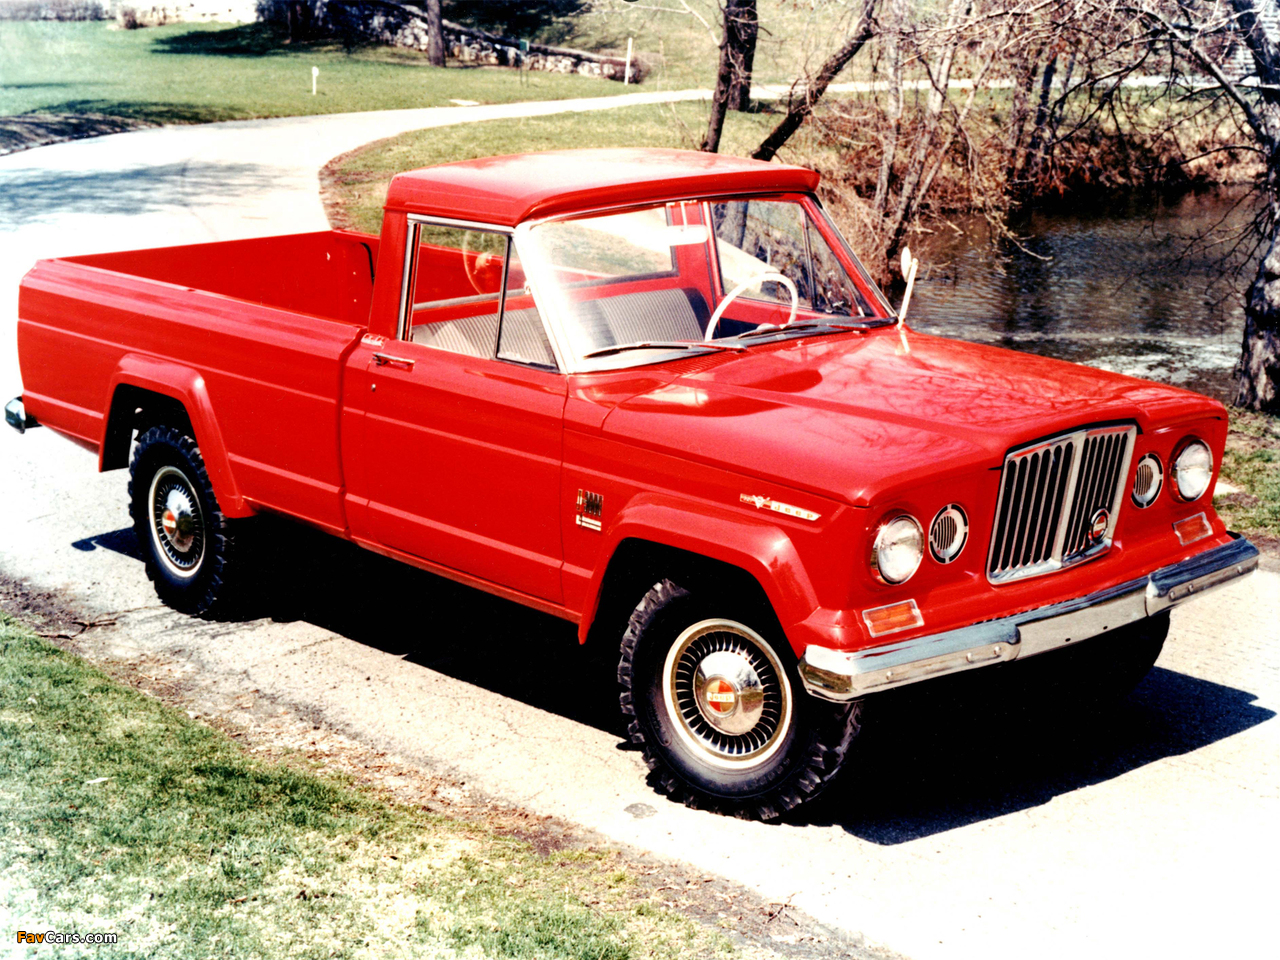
(836,675)
(16,416)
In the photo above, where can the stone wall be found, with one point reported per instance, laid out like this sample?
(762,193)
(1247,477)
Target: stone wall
(398,25)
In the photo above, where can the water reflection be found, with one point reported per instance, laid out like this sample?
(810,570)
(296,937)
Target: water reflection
(1107,284)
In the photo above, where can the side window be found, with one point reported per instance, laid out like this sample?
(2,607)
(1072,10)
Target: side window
(455,298)
(762,236)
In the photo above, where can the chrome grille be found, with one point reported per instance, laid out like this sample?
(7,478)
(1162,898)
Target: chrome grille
(1050,496)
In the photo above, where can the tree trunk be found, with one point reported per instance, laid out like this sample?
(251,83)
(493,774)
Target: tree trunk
(893,109)
(1018,115)
(1031,165)
(746,32)
(805,94)
(1258,369)
(435,34)
(733,74)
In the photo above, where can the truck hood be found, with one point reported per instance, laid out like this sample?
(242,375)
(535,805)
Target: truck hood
(849,416)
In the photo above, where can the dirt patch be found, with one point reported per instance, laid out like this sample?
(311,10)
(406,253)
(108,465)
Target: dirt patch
(41,129)
(336,193)
(280,734)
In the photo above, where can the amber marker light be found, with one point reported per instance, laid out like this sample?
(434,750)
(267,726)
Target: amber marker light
(892,617)
(1192,529)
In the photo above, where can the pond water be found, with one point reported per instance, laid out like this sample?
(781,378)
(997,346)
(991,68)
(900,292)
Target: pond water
(1118,285)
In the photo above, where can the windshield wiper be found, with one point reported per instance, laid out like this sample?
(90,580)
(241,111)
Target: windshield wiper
(800,325)
(661,345)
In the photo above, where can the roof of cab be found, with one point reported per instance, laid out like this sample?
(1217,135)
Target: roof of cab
(508,190)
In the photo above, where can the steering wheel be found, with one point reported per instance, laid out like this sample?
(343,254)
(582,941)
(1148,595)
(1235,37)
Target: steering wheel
(479,270)
(737,292)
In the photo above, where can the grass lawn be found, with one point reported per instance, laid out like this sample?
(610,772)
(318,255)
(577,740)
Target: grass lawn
(122,816)
(195,73)
(1252,463)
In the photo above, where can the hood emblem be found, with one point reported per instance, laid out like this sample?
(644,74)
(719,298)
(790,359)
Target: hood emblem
(1098,524)
(777,506)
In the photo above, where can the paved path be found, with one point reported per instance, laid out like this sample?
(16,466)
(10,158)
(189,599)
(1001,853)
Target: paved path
(961,832)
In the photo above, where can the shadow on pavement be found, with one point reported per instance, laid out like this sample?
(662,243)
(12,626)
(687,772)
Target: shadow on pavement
(30,195)
(948,754)
(931,758)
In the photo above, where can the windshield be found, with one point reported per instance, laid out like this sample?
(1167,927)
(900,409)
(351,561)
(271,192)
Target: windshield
(641,285)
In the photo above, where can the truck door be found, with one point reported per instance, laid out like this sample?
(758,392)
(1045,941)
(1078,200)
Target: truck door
(463,421)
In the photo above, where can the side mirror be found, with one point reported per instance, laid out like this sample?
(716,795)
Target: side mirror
(909,266)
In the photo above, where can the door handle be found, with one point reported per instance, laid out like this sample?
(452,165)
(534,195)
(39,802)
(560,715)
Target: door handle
(385,360)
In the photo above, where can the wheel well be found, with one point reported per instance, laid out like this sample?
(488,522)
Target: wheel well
(137,409)
(636,565)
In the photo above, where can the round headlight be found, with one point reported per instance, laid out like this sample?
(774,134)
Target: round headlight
(898,549)
(1192,470)
(948,533)
(1148,480)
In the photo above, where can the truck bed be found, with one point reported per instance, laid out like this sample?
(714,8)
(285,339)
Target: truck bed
(327,274)
(257,329)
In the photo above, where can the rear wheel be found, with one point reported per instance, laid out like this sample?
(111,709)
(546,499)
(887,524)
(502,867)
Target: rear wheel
(719,710)
(187,544)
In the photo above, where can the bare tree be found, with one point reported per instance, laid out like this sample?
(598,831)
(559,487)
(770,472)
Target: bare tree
(807,91)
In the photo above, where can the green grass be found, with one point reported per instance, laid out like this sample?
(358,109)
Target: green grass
(1252,463)
(190,849)
(194,73)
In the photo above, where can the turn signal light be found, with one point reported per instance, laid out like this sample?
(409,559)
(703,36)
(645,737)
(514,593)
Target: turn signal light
(1192,529)
(892,617)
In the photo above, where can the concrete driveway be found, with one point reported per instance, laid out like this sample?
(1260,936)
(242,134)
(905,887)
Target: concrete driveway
(963,829)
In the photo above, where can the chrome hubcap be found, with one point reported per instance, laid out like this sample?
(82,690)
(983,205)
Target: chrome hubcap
(177,525)
(727,693)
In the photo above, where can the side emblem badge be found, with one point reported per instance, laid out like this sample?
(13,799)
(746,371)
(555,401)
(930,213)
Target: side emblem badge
(590,506)
(1098,524)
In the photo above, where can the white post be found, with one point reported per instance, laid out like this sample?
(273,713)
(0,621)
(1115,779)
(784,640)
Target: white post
(315,72)
(627,79)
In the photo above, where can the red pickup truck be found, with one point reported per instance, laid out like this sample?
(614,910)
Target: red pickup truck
(655,394)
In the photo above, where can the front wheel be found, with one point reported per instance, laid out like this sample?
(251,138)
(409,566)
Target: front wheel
(719,710)
(186,542)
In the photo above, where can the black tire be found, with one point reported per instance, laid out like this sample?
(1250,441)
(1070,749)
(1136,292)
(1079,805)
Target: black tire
(1102,671)
(796,743)
(1112,665)
(187,544)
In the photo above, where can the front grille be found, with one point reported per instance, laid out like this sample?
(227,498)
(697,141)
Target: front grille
(1051,494)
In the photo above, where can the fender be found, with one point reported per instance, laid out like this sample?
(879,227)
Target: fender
(763,549)
(187,386)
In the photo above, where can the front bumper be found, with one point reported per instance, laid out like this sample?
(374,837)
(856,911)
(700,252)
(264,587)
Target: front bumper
(837,675)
